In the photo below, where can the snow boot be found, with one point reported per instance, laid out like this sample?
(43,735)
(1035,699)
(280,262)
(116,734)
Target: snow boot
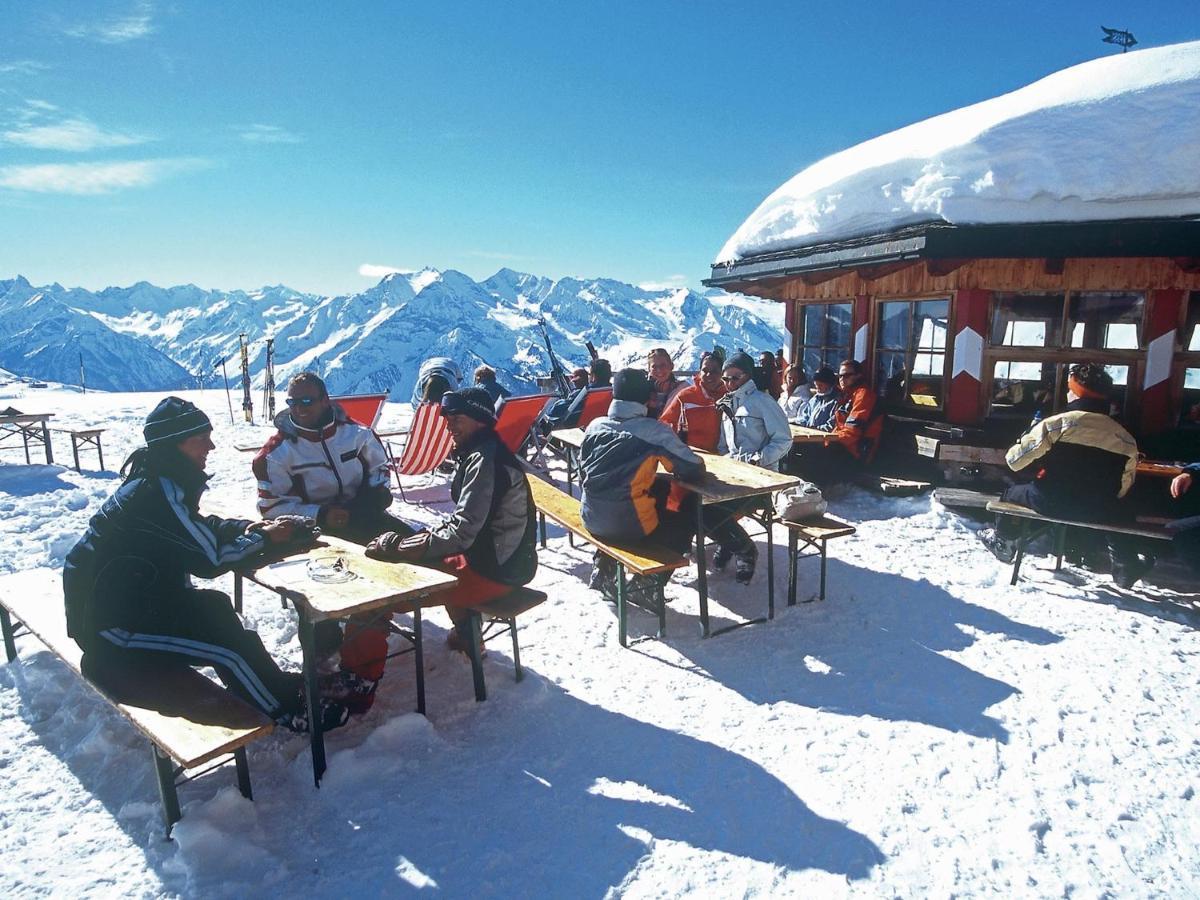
(642,591)
(744,562)
(1129,568)
(604,577)
(1003,549)
(721,558)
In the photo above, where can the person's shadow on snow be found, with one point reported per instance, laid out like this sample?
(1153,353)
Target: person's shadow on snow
(877,651)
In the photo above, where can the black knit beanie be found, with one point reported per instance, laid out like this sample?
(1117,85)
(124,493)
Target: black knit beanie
(474,402)
(174,420)
(741,361)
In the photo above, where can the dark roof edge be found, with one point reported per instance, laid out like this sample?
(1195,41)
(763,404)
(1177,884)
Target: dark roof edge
(939,240)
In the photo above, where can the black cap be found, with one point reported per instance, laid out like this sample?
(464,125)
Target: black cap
(741,361)
(631,384)
(474,402)
(825,375)
(174,420)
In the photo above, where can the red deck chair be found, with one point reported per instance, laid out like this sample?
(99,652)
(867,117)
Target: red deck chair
(517,417)
(595,405)
(427,446)
(361,408)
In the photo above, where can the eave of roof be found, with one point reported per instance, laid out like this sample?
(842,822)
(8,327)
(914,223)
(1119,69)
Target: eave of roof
(939,240)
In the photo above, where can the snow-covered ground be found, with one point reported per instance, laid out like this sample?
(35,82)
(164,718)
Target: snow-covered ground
(927,730)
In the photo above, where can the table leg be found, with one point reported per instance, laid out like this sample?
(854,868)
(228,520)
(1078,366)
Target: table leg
(237,592)
(312,700)
(770,519)
(46,441)
(75,452)
(793,552)
(25,441)
(100,453)
(701,572)
(419,659)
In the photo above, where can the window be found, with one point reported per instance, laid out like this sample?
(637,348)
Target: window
(824,335)
(910,357)
(1023,390)
(1027,320)
(1106,321)
(1190,339)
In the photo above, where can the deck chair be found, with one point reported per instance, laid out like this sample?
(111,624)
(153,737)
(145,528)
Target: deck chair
(517,418)
(361,408)
(595,404)
(427,446)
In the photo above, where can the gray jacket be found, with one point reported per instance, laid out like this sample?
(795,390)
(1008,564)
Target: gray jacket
(753,427)
(618,461)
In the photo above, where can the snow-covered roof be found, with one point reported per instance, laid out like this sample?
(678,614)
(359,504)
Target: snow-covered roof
(1112,139)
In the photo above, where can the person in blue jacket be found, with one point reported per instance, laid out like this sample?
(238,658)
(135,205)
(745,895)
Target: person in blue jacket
(126,583)
(1186,531)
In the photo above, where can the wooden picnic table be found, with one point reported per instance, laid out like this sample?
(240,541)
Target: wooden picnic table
(30,427)
(307,579)
(802,434)
(724,479)
(1159,468)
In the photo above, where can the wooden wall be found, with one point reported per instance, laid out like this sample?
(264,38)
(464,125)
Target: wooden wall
(918,279)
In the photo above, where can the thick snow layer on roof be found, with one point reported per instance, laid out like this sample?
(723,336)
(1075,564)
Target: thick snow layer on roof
(1114,138)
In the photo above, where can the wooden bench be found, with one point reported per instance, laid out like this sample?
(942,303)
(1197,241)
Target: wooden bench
(1059,528)
(84,437)
(494,618)
(814,534)
(188,719)
(647,559)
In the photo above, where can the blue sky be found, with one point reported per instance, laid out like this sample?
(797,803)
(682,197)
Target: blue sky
(233,145)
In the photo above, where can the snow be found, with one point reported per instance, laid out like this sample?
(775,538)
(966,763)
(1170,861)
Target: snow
(1075,146)
(927,730)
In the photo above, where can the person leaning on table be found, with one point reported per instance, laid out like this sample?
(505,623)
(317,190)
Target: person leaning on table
(754,430)
(489,542)
(126,582)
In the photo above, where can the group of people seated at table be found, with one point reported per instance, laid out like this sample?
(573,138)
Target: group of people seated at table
(127,588)
(128,595)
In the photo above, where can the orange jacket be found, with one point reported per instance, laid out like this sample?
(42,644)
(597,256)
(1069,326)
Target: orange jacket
(857,423)
(699,410)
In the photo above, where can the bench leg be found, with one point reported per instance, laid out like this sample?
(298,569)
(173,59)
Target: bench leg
(1020,553)
(1060,546)
(622,633)
(476,641)
(419,658)
(10,645)
(165,772)
(512,627)
(243,772)
(793,562)
(237,592)
(542,528)
(824,557)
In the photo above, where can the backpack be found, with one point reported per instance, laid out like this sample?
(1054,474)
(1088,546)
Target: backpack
(801,502)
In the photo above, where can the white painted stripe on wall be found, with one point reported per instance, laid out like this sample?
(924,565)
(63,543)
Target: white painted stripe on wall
(968,354)
(860,344)
(1159,354)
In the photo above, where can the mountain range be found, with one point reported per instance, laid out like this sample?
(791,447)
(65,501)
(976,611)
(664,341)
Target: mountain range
(145,337)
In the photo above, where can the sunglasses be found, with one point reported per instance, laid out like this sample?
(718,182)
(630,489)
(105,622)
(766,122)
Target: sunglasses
(732,377)
(303,401)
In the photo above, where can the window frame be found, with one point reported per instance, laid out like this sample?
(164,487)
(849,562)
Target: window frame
(906,405)
(844,351)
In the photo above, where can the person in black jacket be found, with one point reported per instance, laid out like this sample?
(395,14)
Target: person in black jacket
(489,542)
(128,596)
(1186,531)
(1083,462)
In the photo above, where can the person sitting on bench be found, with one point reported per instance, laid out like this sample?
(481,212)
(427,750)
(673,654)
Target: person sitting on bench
(1186,531)
(489,542)
(436,375)
(1084,462)
(485,377)
(754,430)
(565,413)
(622,502)
(692,412)
(820,410)
(125,583)
(854,438)
(660,369)
(322,465)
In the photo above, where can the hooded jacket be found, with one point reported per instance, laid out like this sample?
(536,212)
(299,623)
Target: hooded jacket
(695,407)
(493,524)
(140,548)
(301,471)
(753,427)
(436,365)
(1080,456)
(618,462)
(818,411)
